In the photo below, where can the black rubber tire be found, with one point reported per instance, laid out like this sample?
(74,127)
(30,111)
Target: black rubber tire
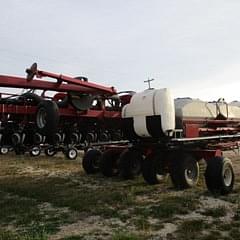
(151,168)
(50,151)
(47,118)
(130,162)
(90,161)
(33,152)
(184,171)
(71,153)
(215,175)
(109,162)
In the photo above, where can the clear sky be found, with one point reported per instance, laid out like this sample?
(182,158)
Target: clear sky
(190,46)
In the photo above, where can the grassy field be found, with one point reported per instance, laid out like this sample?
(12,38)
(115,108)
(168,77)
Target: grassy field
(52,198)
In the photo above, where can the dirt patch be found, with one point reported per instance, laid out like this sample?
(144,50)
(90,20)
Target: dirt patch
(83,227)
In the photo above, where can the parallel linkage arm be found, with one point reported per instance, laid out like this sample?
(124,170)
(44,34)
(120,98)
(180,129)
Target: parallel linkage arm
(63,83)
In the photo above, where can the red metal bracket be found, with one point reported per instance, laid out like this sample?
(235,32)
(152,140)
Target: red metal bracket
(63,83)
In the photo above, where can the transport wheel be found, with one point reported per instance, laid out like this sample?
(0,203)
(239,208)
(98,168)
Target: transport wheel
(50,151)
(152,168)
(184,171)
(109,162)
(47,118)
(219,175)
(71,153)
(90,162)
(35,151)
(130,162)
(4,150)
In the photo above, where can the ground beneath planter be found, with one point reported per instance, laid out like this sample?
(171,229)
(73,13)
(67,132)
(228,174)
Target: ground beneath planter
(52,198)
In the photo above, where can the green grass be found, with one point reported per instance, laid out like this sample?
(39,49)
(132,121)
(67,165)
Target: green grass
(64,193)
(237,213)
(232,198)
(235,233)
(127,236)
(141,209)
(25,213)
(7,235)
(231,230)
(212,235)
(27,193)
(73,238)
(224,227)
(142,224)
(171,206)
(168,207)
(24,209)
(216,212)
(77,194)
(190,229)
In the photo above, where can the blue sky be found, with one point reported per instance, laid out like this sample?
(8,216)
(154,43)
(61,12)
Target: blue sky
(189,46)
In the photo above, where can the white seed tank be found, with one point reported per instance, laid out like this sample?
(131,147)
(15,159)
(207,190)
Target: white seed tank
(154,113)
(150,114)
(235,103)
(195,109)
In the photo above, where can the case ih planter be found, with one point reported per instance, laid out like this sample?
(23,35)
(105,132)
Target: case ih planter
(167,137)
(161,136)
(75,114)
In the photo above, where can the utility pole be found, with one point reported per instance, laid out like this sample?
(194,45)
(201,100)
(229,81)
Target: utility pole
(149,81)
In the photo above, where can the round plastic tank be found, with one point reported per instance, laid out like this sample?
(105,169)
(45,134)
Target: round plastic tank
(150,113)
(235,103)
(195,109)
